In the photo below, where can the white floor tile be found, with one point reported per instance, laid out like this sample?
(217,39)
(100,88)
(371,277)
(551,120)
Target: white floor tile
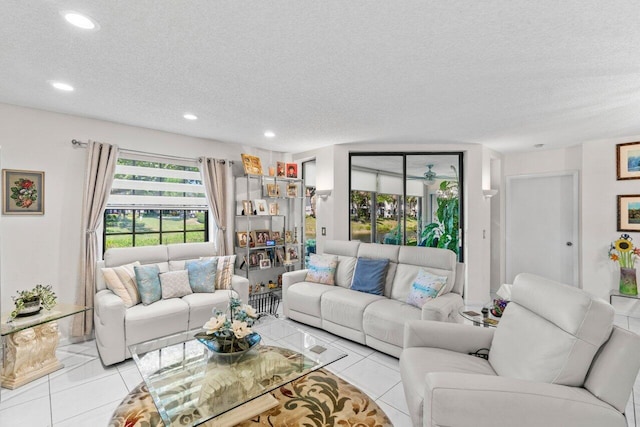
(345,362)
(395,397)
(34,413)
(131,377)
(34,390)
(386,360)
(86,397)
(79,374)
(371,377)
(398,418)
(95,417)
(362,350)
(634,324)
(320,333)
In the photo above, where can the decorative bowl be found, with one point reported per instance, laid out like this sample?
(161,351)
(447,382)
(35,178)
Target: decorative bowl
(219,350)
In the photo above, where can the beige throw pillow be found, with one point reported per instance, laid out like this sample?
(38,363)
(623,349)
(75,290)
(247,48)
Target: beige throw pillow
(122,282)
(225,270)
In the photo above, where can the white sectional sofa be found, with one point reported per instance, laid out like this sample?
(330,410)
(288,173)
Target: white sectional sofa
(374,320)
(117,327)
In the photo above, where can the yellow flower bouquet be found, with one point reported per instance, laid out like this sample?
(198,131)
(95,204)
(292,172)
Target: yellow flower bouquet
(624,253)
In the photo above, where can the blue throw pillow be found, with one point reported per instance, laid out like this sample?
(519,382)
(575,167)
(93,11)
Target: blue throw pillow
(369,275)
(425,287)
(202,274)
(148,280)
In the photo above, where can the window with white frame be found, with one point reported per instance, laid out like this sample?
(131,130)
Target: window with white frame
(155,201)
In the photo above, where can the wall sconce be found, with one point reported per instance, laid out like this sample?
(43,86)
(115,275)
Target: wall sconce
(489,193)
(323,194)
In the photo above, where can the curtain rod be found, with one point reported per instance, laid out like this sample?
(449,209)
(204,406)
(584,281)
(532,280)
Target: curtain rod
(164,156)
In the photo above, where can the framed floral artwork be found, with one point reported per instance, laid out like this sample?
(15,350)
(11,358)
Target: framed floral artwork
(628,160)
(23,192)
(629,212)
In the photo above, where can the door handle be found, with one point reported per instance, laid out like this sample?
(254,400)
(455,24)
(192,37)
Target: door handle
(569,244)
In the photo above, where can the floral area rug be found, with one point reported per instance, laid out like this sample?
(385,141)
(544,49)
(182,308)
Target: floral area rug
(318,399)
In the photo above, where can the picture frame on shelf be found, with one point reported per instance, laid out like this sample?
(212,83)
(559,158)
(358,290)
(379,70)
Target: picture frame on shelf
(629,212)
(293,253)
(265,263)
(261,237)
(276,236)
(292,190)
(262,255)
(23,192)
(280,255)
(628,160)
(292,170)
(253,260)
(243,238)
(281,169)
(247,207)
(273,190)
(261,207)
(251,164)
(288,236)
(274,209)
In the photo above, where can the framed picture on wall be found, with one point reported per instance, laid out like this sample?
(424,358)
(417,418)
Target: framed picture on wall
(629,212)
(628,160)
(23,192)
(251,164)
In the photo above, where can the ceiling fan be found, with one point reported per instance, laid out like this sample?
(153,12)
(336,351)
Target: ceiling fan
(430,176)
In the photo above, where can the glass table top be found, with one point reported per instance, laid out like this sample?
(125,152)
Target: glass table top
(182,375)
(44,316)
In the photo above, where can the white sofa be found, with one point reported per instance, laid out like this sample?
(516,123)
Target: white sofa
(117,327)
(556,360)
(374,320)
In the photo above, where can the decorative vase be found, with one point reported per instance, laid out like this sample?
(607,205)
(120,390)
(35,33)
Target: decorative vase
(30,308)
(230,353)
(628,283)
(498,307)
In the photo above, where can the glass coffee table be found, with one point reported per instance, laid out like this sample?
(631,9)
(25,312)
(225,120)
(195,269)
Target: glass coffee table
(29,344)
(190,384)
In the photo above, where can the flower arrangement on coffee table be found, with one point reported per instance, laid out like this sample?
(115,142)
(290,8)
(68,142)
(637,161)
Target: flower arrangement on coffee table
(230,332)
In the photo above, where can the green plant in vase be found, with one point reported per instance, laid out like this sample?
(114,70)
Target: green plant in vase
(40,295)
(624,253)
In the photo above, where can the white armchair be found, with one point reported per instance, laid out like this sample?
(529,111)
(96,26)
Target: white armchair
(555,360)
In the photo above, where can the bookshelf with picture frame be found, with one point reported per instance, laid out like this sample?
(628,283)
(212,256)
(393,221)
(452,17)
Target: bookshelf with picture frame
(269,227)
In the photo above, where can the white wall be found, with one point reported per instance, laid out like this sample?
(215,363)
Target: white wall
(46,249)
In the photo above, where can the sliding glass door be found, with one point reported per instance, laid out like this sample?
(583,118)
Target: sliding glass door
(406,199)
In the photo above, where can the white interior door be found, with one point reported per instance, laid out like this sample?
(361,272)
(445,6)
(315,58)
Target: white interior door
(542,226)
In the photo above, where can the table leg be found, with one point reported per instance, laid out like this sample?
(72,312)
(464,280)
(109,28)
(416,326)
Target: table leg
(30,354)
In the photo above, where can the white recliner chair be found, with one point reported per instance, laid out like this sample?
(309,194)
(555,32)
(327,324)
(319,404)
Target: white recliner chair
(556,359)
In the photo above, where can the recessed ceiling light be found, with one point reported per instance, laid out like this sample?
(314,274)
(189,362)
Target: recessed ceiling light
(269,134)
(62,86)
(79,20)
(190,116)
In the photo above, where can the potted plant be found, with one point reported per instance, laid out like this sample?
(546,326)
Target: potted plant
(443,233)
(29,301)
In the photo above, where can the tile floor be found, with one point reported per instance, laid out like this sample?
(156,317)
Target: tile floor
(85,393)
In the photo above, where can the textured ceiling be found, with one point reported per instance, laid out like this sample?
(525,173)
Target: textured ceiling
(508,74)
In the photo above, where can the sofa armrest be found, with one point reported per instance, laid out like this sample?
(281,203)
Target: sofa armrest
(241,286)
(289,278)
(507,401)
(448,336)
(108,315)
(443,308)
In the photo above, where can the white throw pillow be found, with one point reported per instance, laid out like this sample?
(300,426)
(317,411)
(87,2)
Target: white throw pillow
(175,284)
(122,282)
(425,287)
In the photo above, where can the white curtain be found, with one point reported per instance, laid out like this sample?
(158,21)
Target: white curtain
(217,179)
(101,165)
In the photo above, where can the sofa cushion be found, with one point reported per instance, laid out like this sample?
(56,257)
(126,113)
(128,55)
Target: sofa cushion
(202,274)
(439,261)
(164,317)
(346,252)
(144,254)
(175,284)
(304,297)
(179,251)
(122,282)
(322,269)
(384,320)
(369,275)
(572,328)
(425,287)
(405,276)
(148,280)
(225,270)
(346,307)
(201,306)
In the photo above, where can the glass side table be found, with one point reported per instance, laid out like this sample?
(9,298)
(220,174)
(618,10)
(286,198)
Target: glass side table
(29,344)
(479,319)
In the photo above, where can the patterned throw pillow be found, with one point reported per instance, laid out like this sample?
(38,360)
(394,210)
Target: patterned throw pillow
(425,287)
(225,270)
(202,274)
(175,284)
(122,282)
(148,283)
(369,275)
(322,269)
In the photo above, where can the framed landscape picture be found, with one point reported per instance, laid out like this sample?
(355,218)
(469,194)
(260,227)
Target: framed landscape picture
(23,192)
(628,160)
(629,212)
